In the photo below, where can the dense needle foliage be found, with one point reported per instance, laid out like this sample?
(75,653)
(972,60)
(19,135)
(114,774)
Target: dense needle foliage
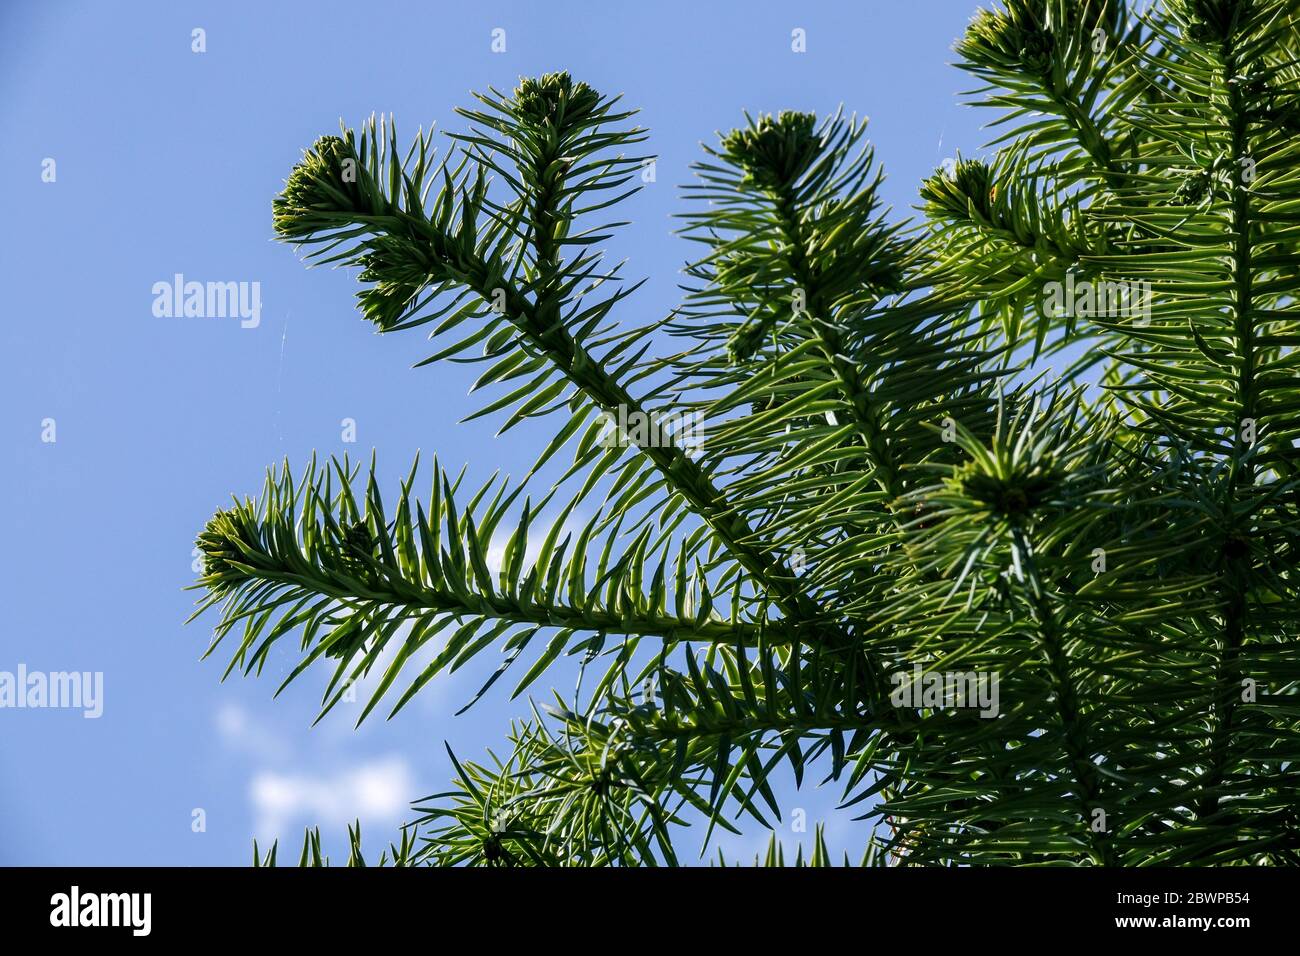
(1047,434)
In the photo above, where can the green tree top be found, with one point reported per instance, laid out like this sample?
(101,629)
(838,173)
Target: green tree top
(1043,436)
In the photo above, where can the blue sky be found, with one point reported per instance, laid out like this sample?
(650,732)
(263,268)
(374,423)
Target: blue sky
(166,162)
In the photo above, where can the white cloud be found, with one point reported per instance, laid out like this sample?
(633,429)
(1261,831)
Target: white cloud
(241,732)
(496,552)
(378,792)
(284,797)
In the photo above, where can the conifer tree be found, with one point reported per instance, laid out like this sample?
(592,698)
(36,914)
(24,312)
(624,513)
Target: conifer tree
(1040,442)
